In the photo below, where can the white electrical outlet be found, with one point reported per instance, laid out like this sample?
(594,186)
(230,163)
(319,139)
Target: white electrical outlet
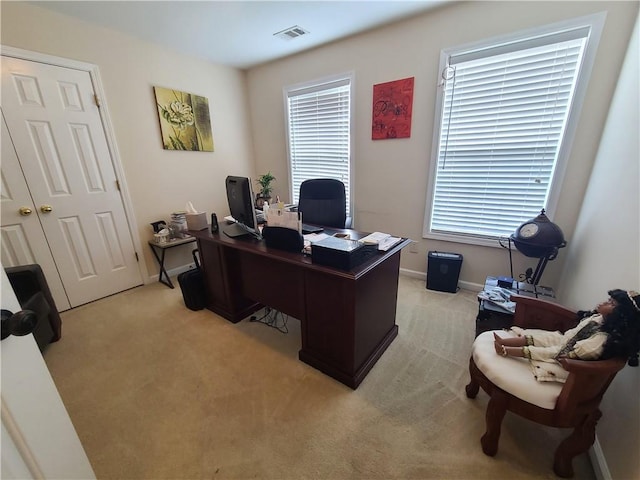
(413,248)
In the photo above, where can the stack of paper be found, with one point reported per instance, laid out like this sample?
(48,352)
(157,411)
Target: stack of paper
(384,240)
(387,243)
(499,297)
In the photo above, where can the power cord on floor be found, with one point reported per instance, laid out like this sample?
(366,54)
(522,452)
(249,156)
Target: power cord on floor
(274,319)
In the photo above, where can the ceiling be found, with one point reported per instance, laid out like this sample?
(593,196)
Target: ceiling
(240,33)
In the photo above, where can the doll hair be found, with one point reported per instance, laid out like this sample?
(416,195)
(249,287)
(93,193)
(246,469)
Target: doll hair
(623,327)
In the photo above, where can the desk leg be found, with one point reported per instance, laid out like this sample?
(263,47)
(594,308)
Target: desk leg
(163,272)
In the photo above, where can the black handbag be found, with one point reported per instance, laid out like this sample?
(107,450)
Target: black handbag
(283,239)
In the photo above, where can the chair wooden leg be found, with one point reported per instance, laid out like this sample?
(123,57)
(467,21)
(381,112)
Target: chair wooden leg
(578,442)
(496,410)
(472,388)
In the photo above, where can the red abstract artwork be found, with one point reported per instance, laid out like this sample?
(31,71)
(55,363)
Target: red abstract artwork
(392,104)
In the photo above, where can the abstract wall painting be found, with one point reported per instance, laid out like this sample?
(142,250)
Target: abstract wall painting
(185,123)
(392,105)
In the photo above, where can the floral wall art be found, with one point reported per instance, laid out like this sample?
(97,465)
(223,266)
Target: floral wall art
(185,123)
(392,104)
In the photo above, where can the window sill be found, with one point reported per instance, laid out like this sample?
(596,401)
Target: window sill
(467,239)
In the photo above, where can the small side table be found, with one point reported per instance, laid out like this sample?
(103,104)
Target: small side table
(492,317)
(163,247)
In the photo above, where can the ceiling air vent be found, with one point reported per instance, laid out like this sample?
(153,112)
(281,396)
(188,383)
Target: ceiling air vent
(291,32)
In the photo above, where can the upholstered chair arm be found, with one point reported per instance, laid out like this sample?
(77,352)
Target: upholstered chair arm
(587,382)
(542,314)
(29,280)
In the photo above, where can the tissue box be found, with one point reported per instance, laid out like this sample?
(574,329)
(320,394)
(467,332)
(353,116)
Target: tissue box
(196,221)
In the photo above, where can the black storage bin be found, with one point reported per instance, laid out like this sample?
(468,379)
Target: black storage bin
(191,283)
(443,271)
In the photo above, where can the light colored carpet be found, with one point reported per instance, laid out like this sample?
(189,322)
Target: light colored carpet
(157,391)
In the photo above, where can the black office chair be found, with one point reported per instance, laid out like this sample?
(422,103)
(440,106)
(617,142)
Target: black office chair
(323,202)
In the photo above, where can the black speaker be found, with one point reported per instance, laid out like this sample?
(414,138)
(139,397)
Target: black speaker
(283,238)
(443,271)
(214,223)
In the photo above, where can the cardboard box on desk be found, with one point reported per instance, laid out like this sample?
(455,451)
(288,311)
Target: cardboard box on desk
(196,221)
(341,253)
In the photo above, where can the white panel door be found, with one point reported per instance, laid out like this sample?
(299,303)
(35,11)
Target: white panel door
(60,142)
(23,241)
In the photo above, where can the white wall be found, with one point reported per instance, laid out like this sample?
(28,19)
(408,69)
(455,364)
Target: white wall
(391,175)
(159,181)
(605,254)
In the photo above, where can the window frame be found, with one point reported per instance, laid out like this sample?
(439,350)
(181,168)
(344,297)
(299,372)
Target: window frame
(595,23)
(317,83)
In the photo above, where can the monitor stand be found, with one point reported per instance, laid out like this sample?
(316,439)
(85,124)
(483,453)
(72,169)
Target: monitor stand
(235,230)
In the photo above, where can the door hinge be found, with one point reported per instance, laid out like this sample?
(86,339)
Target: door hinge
(96,100)
(137,259)
(118,184)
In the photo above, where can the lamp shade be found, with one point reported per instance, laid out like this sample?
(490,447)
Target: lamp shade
(539,237)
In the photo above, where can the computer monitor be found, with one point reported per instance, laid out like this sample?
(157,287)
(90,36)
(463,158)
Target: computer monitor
(241,207)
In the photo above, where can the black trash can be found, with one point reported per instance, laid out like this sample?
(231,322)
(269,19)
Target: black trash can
(443,271)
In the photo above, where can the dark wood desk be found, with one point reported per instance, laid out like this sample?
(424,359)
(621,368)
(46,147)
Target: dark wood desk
(347,317)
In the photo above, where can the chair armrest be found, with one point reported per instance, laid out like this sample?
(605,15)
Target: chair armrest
(537,313)
(587,382)
(28,280)
(592,367)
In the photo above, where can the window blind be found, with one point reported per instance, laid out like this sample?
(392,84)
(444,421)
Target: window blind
(319,134)
(504,113)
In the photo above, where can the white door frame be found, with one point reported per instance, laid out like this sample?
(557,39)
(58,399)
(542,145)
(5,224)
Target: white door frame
(94,73)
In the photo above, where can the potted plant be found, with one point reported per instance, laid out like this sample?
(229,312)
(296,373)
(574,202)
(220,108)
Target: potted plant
(265,188)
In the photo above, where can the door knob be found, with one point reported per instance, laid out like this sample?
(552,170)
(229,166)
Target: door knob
(19,324)
(46,208)
(24,211)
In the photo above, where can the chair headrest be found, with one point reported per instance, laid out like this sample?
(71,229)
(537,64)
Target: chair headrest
(320,188)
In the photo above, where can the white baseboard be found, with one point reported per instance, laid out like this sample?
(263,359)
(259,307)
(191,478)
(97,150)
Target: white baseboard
(474,287)
(413,274)
(599,462)
(173,272)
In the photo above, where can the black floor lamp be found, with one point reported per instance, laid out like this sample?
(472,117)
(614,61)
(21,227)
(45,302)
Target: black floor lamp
(537,238)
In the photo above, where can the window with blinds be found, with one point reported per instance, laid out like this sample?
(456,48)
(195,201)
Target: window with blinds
(504,113)
(319,130)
